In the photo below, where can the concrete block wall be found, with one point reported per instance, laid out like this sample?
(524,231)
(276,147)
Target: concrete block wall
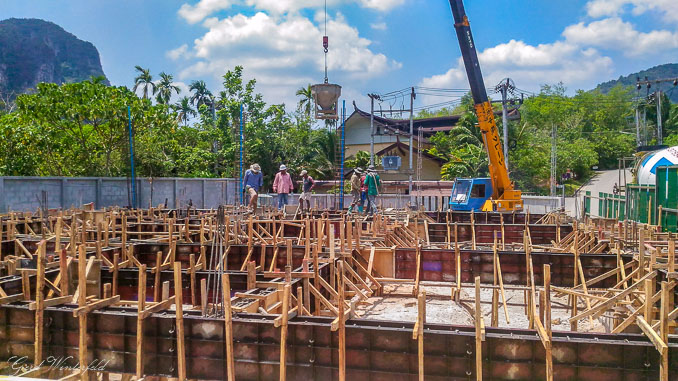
(25,193)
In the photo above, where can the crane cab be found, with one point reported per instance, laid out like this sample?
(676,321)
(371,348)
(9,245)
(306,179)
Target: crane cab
(470,194)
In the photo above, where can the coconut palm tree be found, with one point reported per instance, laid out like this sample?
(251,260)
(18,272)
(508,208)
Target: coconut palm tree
(324,162)
(306,102)
(165,88)
(184,110)
(201,95)
(144,79)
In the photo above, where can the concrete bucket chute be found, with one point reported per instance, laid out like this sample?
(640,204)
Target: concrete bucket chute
(326,96)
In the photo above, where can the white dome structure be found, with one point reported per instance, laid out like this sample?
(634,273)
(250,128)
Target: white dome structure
(647,168)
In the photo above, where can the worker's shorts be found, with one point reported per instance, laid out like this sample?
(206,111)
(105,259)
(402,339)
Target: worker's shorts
(305,196)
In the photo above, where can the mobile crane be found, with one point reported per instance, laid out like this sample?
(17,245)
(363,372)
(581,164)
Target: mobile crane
(497,192)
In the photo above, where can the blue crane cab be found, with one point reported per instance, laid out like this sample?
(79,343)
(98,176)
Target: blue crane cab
(470,194)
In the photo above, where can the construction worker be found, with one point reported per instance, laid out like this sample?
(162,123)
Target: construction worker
(372,182)
(355,190)
(252,183)
(306,188)
(282,185)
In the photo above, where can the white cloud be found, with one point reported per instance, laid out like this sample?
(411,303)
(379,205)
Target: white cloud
(180,52)
(196,13)
(283,52)
(204,8)
(529,66)
(379,26)
(602,8)
(381,5)
(616,34)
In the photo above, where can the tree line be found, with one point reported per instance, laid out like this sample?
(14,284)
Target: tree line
(81,129)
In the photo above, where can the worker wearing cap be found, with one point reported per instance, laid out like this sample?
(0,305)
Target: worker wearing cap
(355,190)
(307,187)
(372,182)
(252,183)
(282,185)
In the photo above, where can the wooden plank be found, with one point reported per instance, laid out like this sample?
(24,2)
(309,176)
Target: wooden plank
(283,333)
(141,306)
(181,349)
(479,334)
(601,307)
(40,301)
(342,323)
(652,335)
(228,326)
(51,302)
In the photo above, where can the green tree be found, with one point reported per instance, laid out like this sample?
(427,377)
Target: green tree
(144,80)
(79,129)
(305,104)
(201,94)
(165,88)
(184,110)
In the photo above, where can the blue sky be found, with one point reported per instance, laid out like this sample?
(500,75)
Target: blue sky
(375,45)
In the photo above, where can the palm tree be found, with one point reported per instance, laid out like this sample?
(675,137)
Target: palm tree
(184,110)
(165,87)
(306,101)
(201,95)
(145,80)
(324,162)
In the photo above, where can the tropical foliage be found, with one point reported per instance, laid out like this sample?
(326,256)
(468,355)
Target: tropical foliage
(82,129)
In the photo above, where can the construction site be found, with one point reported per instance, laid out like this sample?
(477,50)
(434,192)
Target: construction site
(478,284)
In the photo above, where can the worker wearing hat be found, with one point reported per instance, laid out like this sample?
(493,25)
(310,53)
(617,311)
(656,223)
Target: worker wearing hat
(252,183)
(355,190)
(282,185)
(307,187)
(372,182)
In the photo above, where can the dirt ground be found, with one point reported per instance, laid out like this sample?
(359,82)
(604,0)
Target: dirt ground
(398,304)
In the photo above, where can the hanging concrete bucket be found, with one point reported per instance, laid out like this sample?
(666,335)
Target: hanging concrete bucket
(326,96)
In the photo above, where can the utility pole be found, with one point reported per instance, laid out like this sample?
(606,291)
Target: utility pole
(504,87)
(372,96)
(638,126)
(412,96)
(658,98)
(660,139)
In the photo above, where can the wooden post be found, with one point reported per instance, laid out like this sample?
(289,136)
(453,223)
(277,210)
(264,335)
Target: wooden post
(495,290)
(547,321)
(203,296)
(156,282)
(480,328)
(307,231)
(116,260)
(82,302)
(664,330)
(141,305)
(342,324)
(251,275)
(457,260)
(228,321)
(178,300)
(39,302)
(421,320)
(191,270)
(283,333)
(63,272)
